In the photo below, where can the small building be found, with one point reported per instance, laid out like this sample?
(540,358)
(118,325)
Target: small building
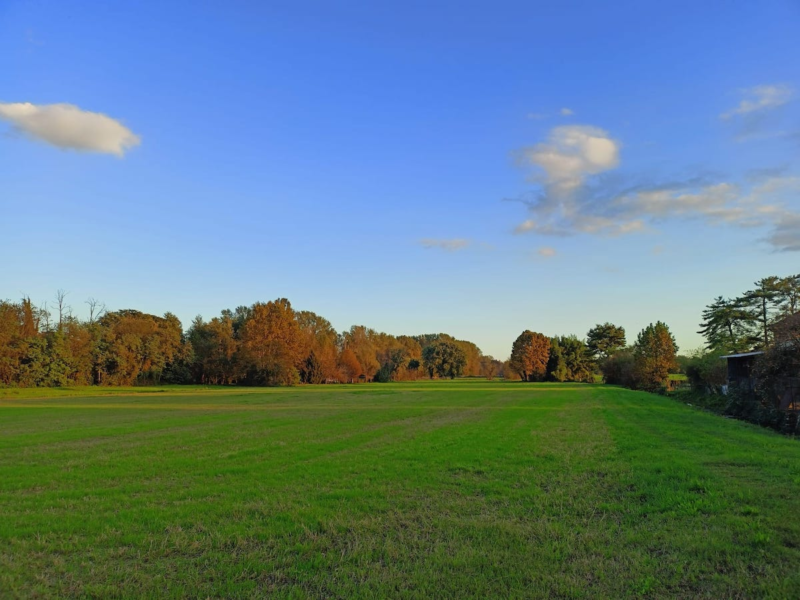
(740,368)
(784,389)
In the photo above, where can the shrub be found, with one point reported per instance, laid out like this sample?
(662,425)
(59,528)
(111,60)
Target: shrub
(707,372)
(776,370)
(619,369)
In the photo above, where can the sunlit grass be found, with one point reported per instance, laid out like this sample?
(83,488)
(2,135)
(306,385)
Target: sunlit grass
(463,488)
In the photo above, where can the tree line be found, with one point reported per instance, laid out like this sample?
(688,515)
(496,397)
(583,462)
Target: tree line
(754,320)
(271,343)
(645,365)
(268,343)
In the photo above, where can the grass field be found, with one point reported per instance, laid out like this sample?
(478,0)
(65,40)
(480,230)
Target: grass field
(445,489)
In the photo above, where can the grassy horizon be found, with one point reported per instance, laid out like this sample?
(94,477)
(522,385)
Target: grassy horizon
(443,488)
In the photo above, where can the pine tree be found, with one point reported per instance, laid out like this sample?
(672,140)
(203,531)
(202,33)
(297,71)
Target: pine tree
(761,303)
(726,326)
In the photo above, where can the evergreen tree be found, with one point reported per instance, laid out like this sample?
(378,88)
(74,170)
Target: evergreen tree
(761,303)
(788,295)
(604,340)
(726,326)
(569,360)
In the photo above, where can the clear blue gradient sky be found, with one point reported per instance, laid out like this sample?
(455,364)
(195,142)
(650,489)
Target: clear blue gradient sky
(476,168)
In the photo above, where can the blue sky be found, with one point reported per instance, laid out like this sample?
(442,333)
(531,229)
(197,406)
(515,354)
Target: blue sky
(477,168)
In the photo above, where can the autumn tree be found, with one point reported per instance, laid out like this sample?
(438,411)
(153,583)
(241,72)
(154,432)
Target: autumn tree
(529,355)
(490,367)
(271,344)
(319,347)
(135,346)
(349,366)
(392,357)
(473,356)
(263,344)
(654,356)
(604,340)
(33,354)
(72,349)
(360,340)
(12,336)
(413,358)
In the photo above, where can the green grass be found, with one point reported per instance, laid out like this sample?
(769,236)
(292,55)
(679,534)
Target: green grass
(94,391)
(445,489)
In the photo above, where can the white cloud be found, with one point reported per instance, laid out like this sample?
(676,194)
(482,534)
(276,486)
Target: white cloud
(566,112)
(451,245)
(67,126)
(546,252)
(571,153)
(761,98)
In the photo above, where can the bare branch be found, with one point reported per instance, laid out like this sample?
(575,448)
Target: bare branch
(96,309)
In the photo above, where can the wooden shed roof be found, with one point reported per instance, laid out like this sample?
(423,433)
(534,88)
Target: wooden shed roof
(743,354)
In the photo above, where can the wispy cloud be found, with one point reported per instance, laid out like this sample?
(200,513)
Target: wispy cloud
(760,98)
(566,112)
(577,195)
(785,237)
(449,245)
(68,127)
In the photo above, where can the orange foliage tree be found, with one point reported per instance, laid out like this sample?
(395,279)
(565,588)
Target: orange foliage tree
(529,355)
(271,344)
